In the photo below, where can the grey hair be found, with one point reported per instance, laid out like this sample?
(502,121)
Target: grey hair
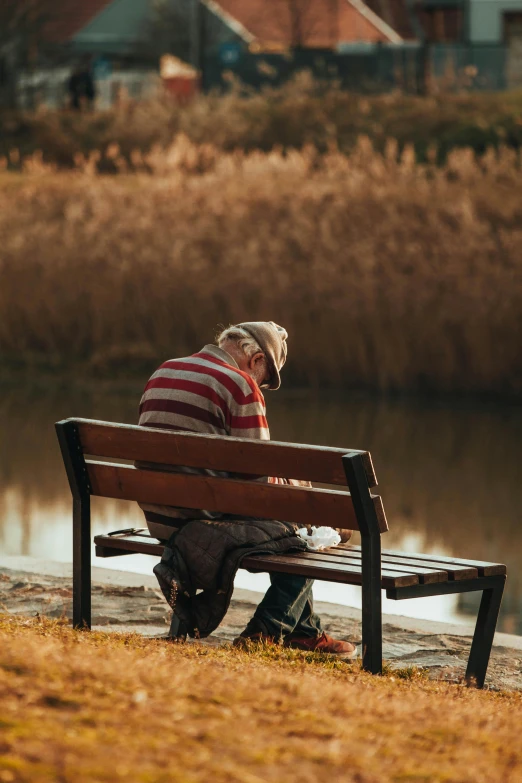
(242,339)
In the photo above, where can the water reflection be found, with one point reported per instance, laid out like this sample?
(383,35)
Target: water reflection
(449,475)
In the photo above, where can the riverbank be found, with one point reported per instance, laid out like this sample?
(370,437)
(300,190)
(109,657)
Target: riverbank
(125,602)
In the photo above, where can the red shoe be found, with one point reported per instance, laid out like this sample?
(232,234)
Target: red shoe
(245,640)
(345,651)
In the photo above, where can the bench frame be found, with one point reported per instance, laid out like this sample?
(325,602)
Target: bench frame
(492,587)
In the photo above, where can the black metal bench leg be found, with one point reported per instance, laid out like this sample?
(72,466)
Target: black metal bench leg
(484,633)
(82,562)
(77,473)
(371,604)
(370,562)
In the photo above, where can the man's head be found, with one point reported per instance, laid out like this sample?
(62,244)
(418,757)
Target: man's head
(259,348)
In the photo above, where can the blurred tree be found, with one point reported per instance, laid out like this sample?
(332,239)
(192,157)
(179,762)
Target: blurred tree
(169,29)
(188,29)
(23,25)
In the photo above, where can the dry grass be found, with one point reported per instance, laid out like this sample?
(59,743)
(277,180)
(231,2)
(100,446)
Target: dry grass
(299,113)
(90,707)
(387,274)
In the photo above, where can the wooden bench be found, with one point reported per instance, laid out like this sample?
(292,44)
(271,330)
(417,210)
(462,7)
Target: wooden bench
(401,575)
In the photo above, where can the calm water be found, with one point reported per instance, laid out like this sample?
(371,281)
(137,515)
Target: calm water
(449,475)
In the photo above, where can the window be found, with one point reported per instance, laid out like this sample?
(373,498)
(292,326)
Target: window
(512,27)
(442,24)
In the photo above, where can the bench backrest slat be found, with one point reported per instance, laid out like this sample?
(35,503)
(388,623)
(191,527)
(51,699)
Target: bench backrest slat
(237,455)
(249,498)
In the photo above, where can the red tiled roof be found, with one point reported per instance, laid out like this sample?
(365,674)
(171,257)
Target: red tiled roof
(354,25)
(70,16)
(314,23)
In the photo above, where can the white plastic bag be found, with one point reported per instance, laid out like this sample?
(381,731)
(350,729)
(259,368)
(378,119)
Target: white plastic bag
(321,538)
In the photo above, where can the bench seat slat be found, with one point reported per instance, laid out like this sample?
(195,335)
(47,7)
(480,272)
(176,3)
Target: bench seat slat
(425,575)
(483,567)
(299,563)
(293,504)
(264,458)
(411,564)
(308,566)
(336,565)
(134,544)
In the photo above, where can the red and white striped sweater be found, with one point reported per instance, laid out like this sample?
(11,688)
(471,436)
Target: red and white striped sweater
(206,393)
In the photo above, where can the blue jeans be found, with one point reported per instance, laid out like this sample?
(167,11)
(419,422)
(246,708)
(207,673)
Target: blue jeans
(287,607)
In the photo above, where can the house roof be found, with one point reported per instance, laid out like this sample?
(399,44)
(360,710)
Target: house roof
(315,24)
(70,16)
(396,14)
(271,25)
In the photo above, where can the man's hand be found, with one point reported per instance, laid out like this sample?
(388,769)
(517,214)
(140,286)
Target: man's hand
(344,533)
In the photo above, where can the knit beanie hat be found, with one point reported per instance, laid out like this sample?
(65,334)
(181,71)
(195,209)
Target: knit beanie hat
(271,338)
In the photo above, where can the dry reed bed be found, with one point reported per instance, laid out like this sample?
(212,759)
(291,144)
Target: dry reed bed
(80,707)
(387,274)
(301,112)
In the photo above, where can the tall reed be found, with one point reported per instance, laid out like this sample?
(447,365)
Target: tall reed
(299,113)
(388,275)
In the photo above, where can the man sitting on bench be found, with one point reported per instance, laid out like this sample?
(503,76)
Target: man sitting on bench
(218,391)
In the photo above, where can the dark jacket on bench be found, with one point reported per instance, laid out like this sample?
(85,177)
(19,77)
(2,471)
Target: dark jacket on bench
(205,555)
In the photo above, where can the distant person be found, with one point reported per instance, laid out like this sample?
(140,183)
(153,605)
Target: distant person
(218,391)
(81,87)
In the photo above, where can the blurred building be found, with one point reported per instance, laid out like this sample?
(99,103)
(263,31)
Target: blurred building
(283,25)
(121,41)
(373,44)
(445,21)
(497,22)
(485,35)
(494,21)
(100,35)
(345,40)
(419,45)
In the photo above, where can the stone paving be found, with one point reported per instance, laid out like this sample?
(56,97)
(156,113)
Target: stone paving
(144,610)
